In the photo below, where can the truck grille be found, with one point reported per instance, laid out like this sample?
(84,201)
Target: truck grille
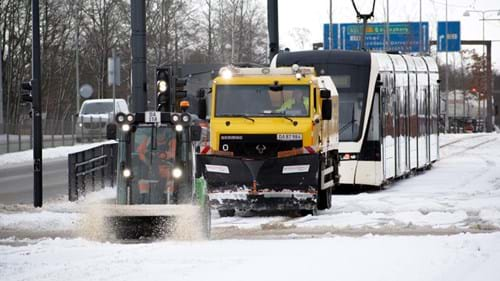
(256,146)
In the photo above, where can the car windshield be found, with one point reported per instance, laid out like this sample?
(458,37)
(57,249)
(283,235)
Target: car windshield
(97,108)
(262,100)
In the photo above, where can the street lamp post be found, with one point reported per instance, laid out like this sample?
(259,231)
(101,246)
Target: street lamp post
(488,121)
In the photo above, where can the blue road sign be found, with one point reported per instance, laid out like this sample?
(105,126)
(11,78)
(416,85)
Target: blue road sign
(404,36)
(453,36)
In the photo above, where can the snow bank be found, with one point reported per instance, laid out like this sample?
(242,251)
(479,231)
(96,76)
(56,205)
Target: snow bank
(48,153)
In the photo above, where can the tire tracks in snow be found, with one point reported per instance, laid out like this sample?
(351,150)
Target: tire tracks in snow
(491,138)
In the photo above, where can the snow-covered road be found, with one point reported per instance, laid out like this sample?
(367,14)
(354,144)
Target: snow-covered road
(460,194)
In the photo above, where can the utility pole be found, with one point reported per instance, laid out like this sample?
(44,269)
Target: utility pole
(115,68)
(420,40)
(446,64)
(36,108)
(330,28)
(1,92)
(77,56)
(139,86)
(272,27)
(387,31)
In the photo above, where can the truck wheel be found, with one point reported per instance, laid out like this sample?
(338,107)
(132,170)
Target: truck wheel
(227,213)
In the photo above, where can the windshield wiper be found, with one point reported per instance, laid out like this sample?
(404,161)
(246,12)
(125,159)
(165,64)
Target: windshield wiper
(280,115)
(346,124)
(238,115)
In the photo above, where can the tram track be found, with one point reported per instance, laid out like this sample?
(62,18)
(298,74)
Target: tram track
(462,139)
(491,138)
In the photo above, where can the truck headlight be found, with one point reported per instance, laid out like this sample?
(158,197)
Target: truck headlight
(176,173)
(125,127)
(130,118)
(120,117)
(185,118)
(175,118)
(126,173)
(226,73)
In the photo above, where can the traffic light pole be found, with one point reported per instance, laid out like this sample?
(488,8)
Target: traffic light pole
(36,108)
(139,86)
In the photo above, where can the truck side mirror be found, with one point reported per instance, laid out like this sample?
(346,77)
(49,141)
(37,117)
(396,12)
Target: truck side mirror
(195,133)
(111,131)
(325,94)
(326,109)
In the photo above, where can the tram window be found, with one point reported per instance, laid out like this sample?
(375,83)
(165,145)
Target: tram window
(351,107)
(342,81)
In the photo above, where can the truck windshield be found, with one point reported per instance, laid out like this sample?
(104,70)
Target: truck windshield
(262,100)
(153,159)
(97,108)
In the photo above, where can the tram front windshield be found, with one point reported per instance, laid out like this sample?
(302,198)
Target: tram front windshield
(352,85)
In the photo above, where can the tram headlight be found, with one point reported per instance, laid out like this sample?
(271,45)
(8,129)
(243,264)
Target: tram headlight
(179,128)
(127,173)
(176,173)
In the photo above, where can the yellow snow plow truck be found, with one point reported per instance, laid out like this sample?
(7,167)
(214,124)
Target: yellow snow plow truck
(273,141)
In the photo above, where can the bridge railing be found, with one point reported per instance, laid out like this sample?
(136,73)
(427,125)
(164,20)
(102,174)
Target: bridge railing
(91,169)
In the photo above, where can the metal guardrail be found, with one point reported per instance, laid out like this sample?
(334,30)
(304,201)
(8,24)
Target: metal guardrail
(91,169)
(16,136)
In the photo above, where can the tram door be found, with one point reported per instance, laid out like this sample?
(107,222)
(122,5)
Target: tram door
(388,127)
(427,126)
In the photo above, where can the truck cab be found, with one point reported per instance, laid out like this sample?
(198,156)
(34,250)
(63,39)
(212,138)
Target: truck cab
(272,131)
(156,184)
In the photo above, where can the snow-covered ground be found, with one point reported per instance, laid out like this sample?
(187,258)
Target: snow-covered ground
(48,153)
(443,224)
(457,257)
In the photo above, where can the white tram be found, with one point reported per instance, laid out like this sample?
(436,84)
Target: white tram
(389,106)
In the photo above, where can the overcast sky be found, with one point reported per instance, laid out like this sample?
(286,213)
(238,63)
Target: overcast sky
(312,14)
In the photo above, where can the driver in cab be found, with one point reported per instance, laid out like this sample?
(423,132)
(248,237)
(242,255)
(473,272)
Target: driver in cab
(165,156)
(296,104)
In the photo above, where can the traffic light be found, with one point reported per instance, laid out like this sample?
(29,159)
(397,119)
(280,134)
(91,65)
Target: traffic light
(163,79)
(180,88)
(170,89)
(26,96)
